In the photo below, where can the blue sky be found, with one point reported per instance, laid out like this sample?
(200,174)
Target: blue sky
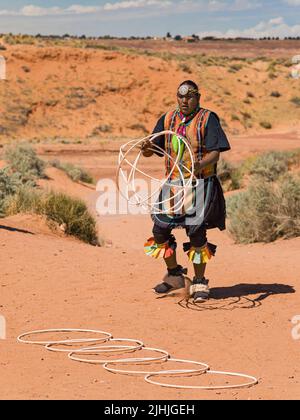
(152,17)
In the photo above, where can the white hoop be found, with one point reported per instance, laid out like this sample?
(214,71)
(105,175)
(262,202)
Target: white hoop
(203,369)
(101,349)
(164,355)
(69,341)
(253,381)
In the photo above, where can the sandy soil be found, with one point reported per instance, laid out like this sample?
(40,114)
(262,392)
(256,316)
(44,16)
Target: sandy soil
(62,92)
(49,281)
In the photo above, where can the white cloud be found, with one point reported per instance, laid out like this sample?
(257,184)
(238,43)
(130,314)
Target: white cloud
(135,4)
(176,6)
(276,27)
(217,5)
(32,10)
(79,9)
(293,2)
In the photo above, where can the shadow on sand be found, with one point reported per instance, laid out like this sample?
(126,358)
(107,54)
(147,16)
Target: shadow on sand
(237,297)
(11,229)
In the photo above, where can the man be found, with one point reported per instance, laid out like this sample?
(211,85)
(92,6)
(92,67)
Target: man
(203,131)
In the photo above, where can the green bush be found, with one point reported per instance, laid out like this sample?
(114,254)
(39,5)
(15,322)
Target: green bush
(233,68)
(266,125)
(271,165)
(185,67)
(266,211)
(275,94)
(229,175)
(73,172)
(22,159)
(71,213)
(9,184)
(296,100)
(25,200)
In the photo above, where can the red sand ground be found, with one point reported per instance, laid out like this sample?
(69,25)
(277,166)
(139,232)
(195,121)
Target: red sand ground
(55,92)
(48,281)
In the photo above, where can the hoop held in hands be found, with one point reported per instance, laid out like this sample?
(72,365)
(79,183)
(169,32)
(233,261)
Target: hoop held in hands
(130,180)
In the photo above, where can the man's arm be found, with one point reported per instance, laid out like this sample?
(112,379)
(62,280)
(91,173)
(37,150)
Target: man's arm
(158,141)
(216,142)
(210,159)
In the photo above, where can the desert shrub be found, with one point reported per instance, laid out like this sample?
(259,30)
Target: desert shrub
(272,75)
(70,213)
(102,128)
(138,127)
(246,115)
(275,94)
(185,67)
(296,100)
(73,214)
(235,117)
(9,184)
(271,165)
(229,175)
(266,211)
(22,159)
(265,124)
(233,68)
(26,69)
(74,172)
(25,200)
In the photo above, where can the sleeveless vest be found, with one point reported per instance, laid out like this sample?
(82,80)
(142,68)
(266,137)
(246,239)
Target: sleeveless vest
(195,135)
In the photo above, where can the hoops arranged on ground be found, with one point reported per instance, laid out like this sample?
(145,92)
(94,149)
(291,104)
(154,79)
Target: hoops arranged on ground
(130,182)
(202,368)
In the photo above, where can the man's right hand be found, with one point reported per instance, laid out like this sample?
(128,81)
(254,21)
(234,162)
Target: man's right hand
(145,148)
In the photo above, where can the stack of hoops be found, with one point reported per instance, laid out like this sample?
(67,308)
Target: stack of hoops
(150,202)
(104,343)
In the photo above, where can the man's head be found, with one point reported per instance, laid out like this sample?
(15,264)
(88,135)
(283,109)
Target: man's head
(188,97)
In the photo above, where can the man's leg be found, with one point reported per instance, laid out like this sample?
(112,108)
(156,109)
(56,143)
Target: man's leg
(199,269)
(164,244)
(200,251)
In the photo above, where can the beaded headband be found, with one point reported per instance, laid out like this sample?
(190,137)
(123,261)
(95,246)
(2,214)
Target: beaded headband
(185,89)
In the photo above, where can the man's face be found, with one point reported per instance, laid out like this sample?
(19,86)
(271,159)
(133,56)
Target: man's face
(188,102)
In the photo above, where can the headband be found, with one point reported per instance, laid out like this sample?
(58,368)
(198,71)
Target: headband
(185,89)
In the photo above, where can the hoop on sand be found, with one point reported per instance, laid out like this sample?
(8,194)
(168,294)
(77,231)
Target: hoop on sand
(204,367)
(107,337)
(253,381)
(164,355)
(101,349)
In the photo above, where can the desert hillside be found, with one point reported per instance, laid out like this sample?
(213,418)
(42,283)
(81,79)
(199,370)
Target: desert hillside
(119,90)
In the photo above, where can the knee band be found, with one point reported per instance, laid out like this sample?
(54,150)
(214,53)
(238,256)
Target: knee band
(200,255)
(164,250)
